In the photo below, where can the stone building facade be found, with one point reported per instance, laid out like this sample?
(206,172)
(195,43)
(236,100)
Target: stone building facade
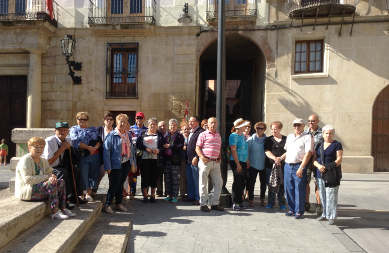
(163,54)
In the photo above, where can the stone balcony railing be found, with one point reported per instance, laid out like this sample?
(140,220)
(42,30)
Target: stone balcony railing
(236,11)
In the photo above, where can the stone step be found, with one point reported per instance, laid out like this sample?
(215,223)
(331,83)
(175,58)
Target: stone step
(17,216)
(56,235)
(110,233)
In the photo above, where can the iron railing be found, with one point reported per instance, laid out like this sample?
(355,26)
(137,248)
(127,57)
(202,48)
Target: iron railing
(321,8)
(233,8)
(29,10)
(113,12)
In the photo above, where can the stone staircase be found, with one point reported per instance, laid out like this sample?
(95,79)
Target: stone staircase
(28,227)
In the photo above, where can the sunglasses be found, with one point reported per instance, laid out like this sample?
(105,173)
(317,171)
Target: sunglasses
(260,128)
(82,119)
(138,118)
(297,125)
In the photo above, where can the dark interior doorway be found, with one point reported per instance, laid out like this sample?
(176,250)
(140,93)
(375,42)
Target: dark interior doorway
(13,96)
(245,75)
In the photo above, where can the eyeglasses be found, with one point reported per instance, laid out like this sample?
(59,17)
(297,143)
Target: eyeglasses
(297,125)
(138,118)
(109,119)
(260,128)
(82,119)
(311,121)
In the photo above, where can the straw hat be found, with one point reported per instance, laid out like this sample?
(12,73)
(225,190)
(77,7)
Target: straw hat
(241,123)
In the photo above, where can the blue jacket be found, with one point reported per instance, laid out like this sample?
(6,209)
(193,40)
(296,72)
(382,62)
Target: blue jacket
(256,151)
(112,154)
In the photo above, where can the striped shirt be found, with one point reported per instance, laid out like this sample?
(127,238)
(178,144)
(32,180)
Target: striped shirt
(210,143)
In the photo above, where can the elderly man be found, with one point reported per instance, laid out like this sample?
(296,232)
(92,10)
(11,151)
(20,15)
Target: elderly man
(192,170)
(136,130)
(315,131)
(299,147)
(56,151)
(208,148)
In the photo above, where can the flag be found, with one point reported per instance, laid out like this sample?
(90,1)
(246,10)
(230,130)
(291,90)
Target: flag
(49,4)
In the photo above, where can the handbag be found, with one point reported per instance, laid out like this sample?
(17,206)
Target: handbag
(330,176)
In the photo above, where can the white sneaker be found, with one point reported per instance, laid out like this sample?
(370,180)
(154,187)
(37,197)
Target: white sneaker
(59,216)
(68,212)
(88,197)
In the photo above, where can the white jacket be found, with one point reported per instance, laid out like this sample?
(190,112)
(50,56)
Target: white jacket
(25,176)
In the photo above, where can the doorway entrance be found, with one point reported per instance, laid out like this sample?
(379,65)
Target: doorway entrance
(13,96)
(245,78)
(380,136)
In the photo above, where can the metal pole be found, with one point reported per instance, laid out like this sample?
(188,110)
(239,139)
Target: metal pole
(220,84)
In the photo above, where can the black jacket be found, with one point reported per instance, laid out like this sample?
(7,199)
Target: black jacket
(191,148)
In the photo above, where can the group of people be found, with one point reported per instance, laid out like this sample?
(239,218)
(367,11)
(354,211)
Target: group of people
(181,160)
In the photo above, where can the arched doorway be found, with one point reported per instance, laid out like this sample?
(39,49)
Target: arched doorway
(380,137)
(245,78)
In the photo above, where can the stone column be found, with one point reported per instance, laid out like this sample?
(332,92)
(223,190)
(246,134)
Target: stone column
(34,90)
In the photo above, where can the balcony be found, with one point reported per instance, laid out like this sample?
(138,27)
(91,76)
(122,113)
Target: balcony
(236,11)
(121,12)
(28,11)
(302,9)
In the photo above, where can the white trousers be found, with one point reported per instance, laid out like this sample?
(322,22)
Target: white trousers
(212,169)
(328,198)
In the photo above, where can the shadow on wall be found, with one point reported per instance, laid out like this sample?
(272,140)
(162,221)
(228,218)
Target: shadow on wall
(297,102)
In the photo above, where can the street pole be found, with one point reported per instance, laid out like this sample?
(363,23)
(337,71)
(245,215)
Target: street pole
(220,87)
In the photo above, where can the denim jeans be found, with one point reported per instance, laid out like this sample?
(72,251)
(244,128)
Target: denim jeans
(89,167)
(295,188)
(195,177)
(190,189)
(328,198)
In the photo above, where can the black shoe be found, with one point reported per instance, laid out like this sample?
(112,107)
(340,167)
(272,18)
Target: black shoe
(204,208)
(307,206)
(152,199)
(80,201)
(69,206)
(217,208)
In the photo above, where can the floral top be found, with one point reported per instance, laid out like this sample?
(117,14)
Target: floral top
(87,136)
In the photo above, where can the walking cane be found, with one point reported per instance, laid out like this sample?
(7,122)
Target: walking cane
(74,179)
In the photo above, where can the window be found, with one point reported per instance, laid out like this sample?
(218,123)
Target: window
(123,70)
(116,6)
(20,7)
(308,56)
(3,7)
(135,6)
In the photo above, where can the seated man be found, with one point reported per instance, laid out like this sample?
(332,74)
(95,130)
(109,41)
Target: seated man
(56,151)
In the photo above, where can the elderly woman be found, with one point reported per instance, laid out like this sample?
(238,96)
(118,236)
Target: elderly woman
(256,152)
(119,157)
(35,181)
(173,158)
(328,161)
(150,142)
(87,141)
(274,150)
(238,161)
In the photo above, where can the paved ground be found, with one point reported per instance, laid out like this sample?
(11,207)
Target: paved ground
(362,224)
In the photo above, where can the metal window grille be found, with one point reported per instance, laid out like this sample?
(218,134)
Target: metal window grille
(3,7)
(20,7)
(135,6)
(116,6)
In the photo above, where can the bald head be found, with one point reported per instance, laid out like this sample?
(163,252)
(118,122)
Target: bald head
(313,122)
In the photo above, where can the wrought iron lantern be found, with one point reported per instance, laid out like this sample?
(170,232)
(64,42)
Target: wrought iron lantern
(67,46)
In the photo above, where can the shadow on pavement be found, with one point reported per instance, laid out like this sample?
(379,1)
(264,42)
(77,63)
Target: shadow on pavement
(362,218)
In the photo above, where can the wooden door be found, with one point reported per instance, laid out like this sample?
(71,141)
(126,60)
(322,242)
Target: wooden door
(380,138)
(13,95)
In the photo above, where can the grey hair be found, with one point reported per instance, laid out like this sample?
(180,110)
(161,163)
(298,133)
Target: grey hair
(173,121)
(328,128)
(151,120)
